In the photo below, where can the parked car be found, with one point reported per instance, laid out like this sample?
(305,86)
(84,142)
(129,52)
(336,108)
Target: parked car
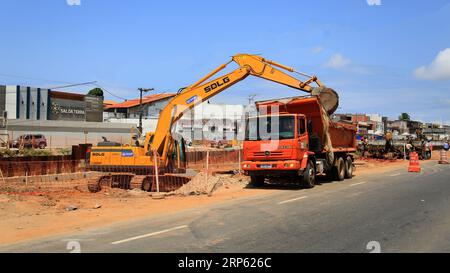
(30,141)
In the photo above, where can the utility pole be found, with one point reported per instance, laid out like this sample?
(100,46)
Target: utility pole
(141,91)
(251,98)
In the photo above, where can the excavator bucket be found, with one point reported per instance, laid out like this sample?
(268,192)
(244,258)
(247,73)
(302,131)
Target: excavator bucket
(328,98)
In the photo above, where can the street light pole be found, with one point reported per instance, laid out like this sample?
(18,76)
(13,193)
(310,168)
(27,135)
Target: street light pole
(141,91)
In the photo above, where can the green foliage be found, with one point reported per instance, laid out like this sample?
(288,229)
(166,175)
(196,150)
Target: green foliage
(64,151)
(405,117)
(97,92)
(36,152)
(8,153)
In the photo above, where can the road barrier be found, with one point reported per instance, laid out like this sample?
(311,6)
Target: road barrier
(444,159)
(414,164)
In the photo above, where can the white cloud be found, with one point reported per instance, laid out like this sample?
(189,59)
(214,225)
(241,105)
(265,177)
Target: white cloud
(374,2)
(73,2)
(317,49)
(439,69)
(337,61)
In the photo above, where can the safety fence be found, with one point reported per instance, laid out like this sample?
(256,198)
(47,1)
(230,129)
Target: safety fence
(64,173)
(214,159)
(35,168)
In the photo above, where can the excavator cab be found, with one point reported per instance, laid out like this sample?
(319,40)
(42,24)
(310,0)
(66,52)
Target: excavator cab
(177,157)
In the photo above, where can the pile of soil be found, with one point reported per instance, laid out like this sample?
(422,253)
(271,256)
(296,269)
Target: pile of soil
(207,184)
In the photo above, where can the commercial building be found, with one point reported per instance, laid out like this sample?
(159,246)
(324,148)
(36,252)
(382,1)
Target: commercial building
(405,127)
(65,119)
(367,124)
(436,132)
(30,103)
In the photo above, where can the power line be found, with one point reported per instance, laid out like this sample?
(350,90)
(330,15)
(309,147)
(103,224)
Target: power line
(69,84)
(72,85)
(112,94)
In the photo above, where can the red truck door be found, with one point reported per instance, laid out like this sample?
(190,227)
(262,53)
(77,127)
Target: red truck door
(302,137)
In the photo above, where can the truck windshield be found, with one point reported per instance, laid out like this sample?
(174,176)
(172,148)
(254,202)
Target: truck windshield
(270,128)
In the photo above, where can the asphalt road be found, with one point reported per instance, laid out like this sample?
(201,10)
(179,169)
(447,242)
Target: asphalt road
(395,211)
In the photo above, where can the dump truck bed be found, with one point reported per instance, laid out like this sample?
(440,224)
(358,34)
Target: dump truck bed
(342,136)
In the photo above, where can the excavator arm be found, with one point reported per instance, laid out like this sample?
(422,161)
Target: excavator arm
(203,90)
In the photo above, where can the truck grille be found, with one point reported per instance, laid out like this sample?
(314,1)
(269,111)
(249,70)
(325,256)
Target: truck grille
(263,154)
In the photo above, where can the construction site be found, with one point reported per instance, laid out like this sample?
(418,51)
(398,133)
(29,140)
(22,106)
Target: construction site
(173,172)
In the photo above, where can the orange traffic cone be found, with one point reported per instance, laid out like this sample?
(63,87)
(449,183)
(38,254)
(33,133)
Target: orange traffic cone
(414,165)
(444,159)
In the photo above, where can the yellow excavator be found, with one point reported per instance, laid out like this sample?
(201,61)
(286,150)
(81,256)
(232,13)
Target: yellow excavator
(132,166)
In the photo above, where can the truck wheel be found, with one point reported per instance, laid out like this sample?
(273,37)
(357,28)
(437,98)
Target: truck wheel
(349,168)
(309,176)
(338,170)
(257,180)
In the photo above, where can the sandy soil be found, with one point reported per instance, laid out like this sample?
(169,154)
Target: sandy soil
(24,217)
(371,166)
(33,215)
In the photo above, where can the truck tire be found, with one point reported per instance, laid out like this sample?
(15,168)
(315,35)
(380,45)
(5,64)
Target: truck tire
(338,170)
(257,180)
(309,176)
(349,168)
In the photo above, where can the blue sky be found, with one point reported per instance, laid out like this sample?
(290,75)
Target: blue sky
(386,59)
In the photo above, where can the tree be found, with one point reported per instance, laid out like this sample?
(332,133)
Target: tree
(405,117)
(96,92)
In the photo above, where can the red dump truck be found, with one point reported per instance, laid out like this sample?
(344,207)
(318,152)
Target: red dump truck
(295,138)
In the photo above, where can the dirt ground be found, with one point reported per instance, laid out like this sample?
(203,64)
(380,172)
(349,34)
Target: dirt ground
(39,214)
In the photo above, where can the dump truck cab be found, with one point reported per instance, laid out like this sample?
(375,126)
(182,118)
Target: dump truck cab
(276,145)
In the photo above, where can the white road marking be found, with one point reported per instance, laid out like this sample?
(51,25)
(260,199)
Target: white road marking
(357,184)
(77,240)
(293,200)
(397,174)
(148,235)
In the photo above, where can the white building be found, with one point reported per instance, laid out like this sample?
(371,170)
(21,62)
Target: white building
(377,124)
(213,122)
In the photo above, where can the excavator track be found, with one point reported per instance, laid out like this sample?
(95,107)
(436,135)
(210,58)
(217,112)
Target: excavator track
(137,182)
(94,185)
(108,181)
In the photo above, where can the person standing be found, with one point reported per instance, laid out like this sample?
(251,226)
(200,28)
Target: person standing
(365,142)
(428,150)
(446,146)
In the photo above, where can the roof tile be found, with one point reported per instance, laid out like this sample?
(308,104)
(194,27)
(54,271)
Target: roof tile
(145,100)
